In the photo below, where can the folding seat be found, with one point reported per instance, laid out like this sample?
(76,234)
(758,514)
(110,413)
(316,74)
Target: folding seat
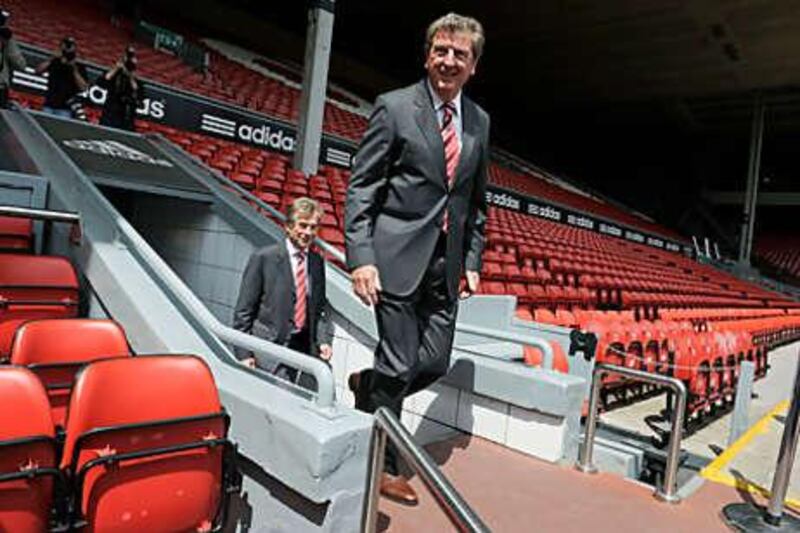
(56,349)
(491,271)
(331,236)
(146,446)
(518,290)
(536,293)
(512,272)
(28,464)
(34,287)
(533,356)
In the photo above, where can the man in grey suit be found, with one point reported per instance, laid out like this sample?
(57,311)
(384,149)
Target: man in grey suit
(268,305)
(414,222)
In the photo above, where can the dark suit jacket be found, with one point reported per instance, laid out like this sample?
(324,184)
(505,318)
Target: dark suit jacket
(265,307)
(398,192)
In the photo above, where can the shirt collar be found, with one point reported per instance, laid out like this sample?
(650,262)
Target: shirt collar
(292,249)
(438,102)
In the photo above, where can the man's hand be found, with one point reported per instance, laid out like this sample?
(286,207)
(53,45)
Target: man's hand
(473,282)
(249,362)
(367,284)
(325,352)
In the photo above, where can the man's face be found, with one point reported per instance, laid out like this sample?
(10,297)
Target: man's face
(450,63)
(303,230)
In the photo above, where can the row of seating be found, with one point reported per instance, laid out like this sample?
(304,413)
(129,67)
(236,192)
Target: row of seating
(782,252)
(128,461)
(91,437)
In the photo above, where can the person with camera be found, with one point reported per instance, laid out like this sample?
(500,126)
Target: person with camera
(66,79)
(124,93)
(10,57)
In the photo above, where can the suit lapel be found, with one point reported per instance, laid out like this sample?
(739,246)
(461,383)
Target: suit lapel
(469,133)
(425,117)
(286,268)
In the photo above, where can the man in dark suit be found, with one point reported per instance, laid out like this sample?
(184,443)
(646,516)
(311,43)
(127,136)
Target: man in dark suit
(282,296)
(414,222)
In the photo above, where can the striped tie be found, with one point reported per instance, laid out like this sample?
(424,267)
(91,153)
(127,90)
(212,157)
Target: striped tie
(301,291)
(452,149)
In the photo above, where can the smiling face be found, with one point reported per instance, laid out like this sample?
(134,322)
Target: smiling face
(302,230)
(450,63)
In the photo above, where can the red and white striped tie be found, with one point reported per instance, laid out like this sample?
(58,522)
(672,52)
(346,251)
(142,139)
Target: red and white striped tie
(301,291)
(452,150)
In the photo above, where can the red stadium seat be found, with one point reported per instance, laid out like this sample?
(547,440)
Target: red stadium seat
(16,234)
(27,453)
(56,349)
(34,287)
(146,446)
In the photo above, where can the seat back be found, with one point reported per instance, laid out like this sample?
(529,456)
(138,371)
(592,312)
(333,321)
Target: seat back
(56,349)
(16,234)
(27,452)
(33,287)
(166,411)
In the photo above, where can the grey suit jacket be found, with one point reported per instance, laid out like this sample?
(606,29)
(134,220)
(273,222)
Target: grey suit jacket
(398,192)
(265,307)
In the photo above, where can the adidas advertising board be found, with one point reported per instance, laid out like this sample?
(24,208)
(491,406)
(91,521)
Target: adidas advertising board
(513,201)
(195,113)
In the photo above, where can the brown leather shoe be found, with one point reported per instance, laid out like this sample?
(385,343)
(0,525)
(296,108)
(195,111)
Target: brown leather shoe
(397,488)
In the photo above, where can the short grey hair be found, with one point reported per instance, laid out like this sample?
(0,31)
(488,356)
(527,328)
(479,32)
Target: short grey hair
(453,23)
(303,207)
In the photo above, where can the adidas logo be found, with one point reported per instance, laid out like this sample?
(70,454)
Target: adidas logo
(116,149)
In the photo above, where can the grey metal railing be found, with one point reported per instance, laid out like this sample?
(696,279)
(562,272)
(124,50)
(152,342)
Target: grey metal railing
(387,427)
(668,492)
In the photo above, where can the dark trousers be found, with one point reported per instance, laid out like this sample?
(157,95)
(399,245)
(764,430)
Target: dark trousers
(415,340)
(299,342)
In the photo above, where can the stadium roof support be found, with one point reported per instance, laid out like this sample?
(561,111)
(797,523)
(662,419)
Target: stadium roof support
(751,196)
(319,35)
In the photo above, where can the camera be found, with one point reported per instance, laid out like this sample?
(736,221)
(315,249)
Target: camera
(130,59)
(68,49)
(5,31)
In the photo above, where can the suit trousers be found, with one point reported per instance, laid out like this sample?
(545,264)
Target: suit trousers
(415,340)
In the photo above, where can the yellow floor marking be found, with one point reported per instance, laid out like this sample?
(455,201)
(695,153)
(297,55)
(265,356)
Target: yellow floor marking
(713,472)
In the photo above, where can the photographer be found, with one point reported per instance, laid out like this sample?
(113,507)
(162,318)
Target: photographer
(124,93)
(66,79)
(10,57)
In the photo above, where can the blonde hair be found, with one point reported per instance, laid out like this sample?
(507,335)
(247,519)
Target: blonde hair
(303,207)
(455,23)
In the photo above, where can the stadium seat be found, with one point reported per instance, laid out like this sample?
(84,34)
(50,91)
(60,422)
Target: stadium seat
(16,234)
(146,446)
(34,287)
(56,349)
(28,465)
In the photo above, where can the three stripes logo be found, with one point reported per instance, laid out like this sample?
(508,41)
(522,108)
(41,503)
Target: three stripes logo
(28,78)
(218,125)
(337,157)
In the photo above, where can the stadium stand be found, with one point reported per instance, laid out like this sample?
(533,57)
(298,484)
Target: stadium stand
(782,253)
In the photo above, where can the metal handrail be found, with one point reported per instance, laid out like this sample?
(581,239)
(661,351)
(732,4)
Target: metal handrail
(40,214)
(668,492)
(388,427)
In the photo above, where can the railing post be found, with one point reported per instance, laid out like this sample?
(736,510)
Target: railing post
(585,464)
(668,492)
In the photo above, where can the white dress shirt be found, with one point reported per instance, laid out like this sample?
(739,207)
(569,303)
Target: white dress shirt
(438,105)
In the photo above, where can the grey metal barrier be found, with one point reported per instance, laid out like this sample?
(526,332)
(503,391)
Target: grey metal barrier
(749,517)
(388,427)
(668,492)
